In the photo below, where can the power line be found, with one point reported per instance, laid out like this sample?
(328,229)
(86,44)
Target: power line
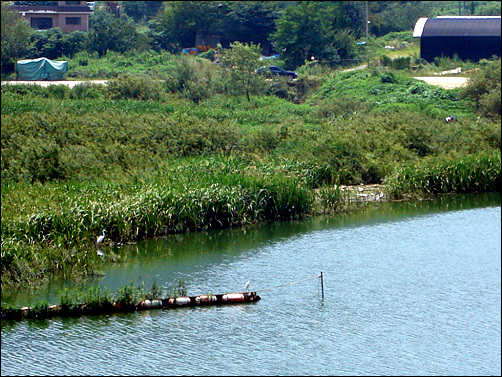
(290,283)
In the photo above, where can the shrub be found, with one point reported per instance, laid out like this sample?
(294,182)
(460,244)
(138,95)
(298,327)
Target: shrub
(194,78)
(126,295)
(142,87)
(388,78)
(87,91)
(489,102)
(343,106)
(483,88)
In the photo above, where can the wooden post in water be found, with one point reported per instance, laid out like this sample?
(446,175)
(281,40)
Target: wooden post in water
(322,286)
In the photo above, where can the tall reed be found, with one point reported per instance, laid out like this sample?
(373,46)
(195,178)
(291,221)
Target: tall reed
(469,174)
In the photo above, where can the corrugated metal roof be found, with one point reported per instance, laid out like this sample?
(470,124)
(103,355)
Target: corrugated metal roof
(460,27)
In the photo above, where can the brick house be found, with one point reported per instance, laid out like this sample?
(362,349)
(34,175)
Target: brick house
(67,15)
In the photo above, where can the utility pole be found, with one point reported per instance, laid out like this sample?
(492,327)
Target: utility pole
(366,21)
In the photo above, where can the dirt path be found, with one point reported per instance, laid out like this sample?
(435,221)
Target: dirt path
(442,81)
(446,82)
(70,84)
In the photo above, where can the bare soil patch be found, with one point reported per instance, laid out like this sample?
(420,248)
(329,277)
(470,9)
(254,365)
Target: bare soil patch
(444,82)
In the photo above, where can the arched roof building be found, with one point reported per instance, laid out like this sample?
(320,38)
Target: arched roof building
(469,37)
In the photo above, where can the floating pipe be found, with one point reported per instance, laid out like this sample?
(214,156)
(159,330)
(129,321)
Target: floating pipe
(171,302)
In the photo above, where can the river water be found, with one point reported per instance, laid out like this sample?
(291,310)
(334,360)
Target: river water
(409,289)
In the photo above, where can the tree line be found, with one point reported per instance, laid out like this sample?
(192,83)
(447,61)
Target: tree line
(297,30)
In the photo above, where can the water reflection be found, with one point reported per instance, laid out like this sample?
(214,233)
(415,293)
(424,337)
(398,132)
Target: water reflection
(410,289)
(168,260)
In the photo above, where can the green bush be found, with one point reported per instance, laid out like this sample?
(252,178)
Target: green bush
(483,88)
(141,87)
(194,78)
(126,295)
(388,78)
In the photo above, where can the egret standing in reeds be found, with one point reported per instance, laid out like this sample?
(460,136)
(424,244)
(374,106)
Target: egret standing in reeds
(101,238)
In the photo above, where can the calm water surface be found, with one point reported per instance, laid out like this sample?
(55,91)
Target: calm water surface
(410,289)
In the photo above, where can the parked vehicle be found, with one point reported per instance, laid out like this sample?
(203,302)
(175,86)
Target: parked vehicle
(273,70)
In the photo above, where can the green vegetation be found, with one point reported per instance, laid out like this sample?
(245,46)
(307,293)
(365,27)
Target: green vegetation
(324,30)
(94,300)
(176,143)
(475,173)
(185,150)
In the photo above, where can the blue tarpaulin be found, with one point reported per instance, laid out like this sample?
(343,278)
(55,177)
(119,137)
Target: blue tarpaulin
(41,69)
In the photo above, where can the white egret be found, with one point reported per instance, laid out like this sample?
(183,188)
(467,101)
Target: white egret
(100,253)
(246,287)
(101,238)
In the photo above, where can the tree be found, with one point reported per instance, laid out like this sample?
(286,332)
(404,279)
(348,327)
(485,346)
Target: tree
(47,43)
(248,22)
(491,8)
(115,33)
(183,20)
(53,43)
(15,38)
(303,31)
(74,42)
(483,89)
(141,10)
(388,16)
(241,60)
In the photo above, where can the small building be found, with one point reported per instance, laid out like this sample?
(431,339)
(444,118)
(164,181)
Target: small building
(67,15)
(468,37)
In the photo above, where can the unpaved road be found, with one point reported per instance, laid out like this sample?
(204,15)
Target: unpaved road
(446,82)
(70,84)
(442,81)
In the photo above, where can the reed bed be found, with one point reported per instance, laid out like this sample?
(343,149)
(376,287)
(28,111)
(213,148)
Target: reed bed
(470,174)
(56,226)
(157,210)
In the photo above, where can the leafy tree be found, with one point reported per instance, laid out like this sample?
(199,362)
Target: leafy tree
(248,22)
(114,33)
(309,30)
(15,38)
(74,42)
(348,15)
(47,43)
(141,10)
(301,33)
(389,16)
(491,8)
(53,43)
(161,36)
(241,60)
(483,88)
(463,8)
(183,20)
(345,43)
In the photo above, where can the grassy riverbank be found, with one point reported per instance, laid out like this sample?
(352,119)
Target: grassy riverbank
(80,160)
